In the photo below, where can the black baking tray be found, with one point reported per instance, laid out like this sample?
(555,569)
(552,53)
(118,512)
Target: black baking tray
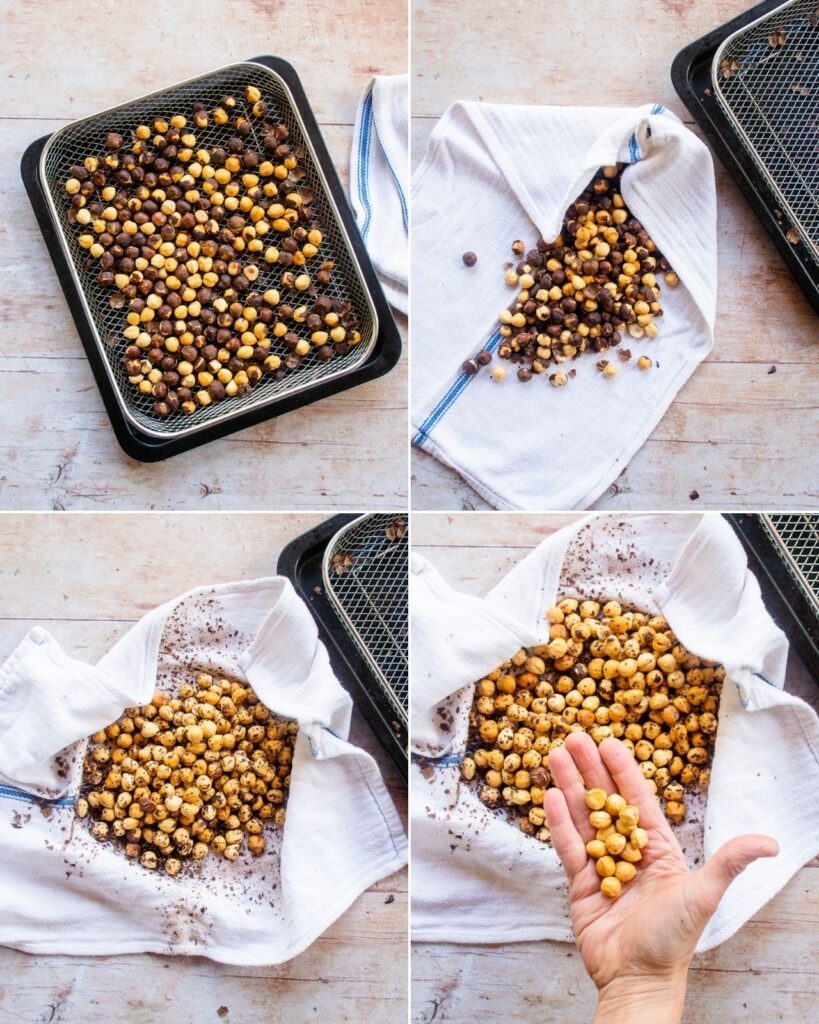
(384,355)
(301,561)
(691,75)
(784,598)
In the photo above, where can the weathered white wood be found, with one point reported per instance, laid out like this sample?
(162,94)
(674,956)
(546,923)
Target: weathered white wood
(57,449)
(86,578)
(740,437)
(766,972)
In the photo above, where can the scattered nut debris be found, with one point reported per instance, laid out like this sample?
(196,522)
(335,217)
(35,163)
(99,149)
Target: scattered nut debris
(186,776)
(771,370)
(618,843)
(596,282)
(778,37)
(729,67)
(206,251)
(694,495)
(396,530)
(610,672)
(803,90)
(390,898)
(223,1011)
(792,236)
(342,562)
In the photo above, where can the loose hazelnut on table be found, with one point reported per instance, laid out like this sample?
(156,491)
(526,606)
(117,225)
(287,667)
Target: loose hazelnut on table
(469,258)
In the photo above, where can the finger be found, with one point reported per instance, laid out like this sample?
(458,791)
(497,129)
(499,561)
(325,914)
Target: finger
(730,860)
(586,756)
(565,837)
(630,783)
(567,778)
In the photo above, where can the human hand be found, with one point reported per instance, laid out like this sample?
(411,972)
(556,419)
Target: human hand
(637,947)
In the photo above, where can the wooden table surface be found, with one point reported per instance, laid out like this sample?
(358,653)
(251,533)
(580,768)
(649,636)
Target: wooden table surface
(86,579)
(62,61)
(741,432)
(766,972)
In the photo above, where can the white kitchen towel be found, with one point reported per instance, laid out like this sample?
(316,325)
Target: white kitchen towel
(476,877)
(496,173)
(379,172)
(64,892)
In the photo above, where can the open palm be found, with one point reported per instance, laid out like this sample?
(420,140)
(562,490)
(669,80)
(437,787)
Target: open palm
(652,928)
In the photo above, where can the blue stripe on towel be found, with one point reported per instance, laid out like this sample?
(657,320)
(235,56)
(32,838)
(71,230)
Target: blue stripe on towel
(633,148)
(10,793)
(451,396)
(440,762)
(363,163)
(401,197)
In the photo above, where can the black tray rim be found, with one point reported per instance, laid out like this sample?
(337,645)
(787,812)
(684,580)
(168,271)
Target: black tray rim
(708,116)
(783,597)
(347,662)
(137,445)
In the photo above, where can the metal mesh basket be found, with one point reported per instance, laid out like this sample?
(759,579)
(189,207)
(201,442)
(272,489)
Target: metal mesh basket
(73,143)
(766,79)
(370,597)
(796,537)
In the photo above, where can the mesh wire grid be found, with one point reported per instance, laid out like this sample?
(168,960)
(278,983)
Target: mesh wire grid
(796,536)
(766,79)
(371,598)
(73,143)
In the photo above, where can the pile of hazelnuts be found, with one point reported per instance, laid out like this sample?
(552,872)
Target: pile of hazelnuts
(594,286)
(213,253)
(605,670)
(198,773)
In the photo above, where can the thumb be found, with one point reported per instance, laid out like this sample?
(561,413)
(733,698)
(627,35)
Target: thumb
(728,862)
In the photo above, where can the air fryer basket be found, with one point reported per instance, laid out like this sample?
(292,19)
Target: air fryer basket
(352,572)
(101,327)
(370,597)
(755,120)
(766,79)
(783,553)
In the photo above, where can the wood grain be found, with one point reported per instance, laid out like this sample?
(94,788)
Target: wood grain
(57,449)
(86,578)
(766,972)
(741,433)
